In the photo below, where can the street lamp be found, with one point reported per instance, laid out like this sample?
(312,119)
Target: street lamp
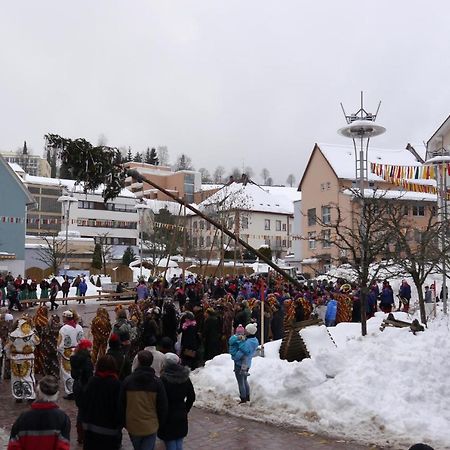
(440,163)
(66,200)
(360,128)
(141,206)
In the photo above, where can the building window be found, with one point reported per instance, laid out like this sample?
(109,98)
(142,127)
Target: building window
(202,224)
(202,241)
(311,217)
(244,223)
(312,240)
(194,242)
(326,215)
(326,238)
(328,185)
(322,186)
(278,225)
(284,242)
(267,224)
(284,227)
(267,240)
(230,223)
(208,241)
(195,225)
(418,210)
(278,242)
(208,226)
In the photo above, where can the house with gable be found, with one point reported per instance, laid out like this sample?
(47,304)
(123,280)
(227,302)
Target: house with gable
(259,215)
(326,185)
(13,214)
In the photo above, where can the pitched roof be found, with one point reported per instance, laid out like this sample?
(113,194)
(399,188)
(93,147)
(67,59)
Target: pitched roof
(251,197)
(29,198)
(341,159)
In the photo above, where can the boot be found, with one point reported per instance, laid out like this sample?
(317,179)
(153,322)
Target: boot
(243,400)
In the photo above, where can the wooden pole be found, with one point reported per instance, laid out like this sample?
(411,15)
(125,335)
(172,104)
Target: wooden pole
(140,178)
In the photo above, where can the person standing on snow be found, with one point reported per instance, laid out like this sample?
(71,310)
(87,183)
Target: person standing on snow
(243,359)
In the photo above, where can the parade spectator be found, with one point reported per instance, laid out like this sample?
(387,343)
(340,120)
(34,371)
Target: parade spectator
(180,398)
(404,295)
(81,369)
(45,286)
(82,289)
(189,341)
(100,403)
(386,298)
(54,288)
(242,358)
(331,313)
(143,403)
(65,288)
(45,426)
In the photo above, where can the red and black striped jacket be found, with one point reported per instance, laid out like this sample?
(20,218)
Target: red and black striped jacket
(44,427)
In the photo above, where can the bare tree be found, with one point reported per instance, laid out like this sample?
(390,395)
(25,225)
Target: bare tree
(206,177)
(416,249)
(163,156)
(361,234)
(105,249)
(235,173)
(265,174)
(269,181)
(52,253)
(218,174)
(290,180)
(249,171)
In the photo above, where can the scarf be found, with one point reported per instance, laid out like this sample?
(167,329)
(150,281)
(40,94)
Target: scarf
(106,374)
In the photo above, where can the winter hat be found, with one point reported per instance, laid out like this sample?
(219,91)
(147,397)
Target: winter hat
(84,344)
(171,358)
(251,328)
(48,385)
(240,329)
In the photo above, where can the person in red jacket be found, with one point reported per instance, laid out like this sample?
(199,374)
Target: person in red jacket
(45,426)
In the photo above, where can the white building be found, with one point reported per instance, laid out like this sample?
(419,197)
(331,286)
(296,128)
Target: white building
(259,215)
(89,217)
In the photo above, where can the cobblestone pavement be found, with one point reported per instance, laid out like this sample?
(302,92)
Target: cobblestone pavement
(207,430)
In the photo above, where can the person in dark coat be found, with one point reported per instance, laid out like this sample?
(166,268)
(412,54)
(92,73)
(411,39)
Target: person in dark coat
(169,322)
(276,323)
(118,352)
(100,404)
(386,298)
(211,335)
(81,369)
(189,341)
(180,396)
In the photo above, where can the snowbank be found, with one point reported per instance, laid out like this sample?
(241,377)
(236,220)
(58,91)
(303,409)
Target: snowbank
(388,388)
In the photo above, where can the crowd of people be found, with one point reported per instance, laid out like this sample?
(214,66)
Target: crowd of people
(134,371)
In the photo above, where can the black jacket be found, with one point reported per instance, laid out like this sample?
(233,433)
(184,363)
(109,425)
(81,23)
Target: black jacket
(81,369)
(180,397)
(101,417)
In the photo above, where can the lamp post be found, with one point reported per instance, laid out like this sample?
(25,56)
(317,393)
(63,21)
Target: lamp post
(141,206)
(360,128)
(440,163)
(66,200)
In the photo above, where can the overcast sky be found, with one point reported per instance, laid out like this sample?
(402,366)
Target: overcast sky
(230,82)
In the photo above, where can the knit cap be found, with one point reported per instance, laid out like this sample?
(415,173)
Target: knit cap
(251,328)
(171,357)
(240,329)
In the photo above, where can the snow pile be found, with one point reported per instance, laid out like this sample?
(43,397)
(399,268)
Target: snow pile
(388,388)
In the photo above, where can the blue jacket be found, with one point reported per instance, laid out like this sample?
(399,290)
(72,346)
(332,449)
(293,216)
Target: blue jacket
(331,311)
(245,352)
(233,345)
(82,287)
(387,297)
(405,291)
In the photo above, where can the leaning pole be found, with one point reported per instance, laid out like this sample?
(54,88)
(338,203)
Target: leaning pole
(140,178)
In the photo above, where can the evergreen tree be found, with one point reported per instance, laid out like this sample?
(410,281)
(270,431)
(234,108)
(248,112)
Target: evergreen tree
(137,157)
(128,256)
(147,156)
(97,257)
(129,155)
(64,172)
(53,165)
(154,157)
(49,157)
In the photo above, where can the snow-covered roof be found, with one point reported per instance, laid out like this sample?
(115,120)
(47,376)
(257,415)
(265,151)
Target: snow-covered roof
(250,197)
(69,185)
(210,186)
(395,194)
(342,159)
(16,167)
(286,191)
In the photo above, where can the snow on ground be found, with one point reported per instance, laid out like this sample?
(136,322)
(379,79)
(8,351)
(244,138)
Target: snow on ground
(4,438)
(388,388)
